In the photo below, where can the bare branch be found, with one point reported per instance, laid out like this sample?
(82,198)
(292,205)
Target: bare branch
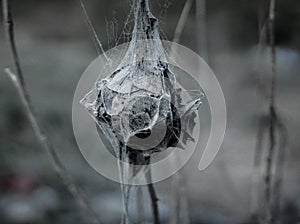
(260,87)
(18,80)
(179,205)
(182,20)
(201,15)
(179,209)
(153,197)
(261,121)
(273,51)
(255,178)
(273,119)
(279,171)
(262,39)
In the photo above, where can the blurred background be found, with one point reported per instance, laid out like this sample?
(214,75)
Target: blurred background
(55,47)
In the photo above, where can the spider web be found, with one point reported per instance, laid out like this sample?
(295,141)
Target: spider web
(136,101)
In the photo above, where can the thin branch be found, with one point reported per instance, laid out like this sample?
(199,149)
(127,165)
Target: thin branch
(18,80)
(153,197)
(179,208)
(182,20)
(98,44)
(279,172)
(179,204)
(261,121)
(269,166)
(255,178)
(260,87)
(272,114)
(273,51)
(262,39)
(201,14)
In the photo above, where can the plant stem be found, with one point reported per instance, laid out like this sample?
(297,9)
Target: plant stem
(153,197)
(279,172)
(18,81)
(182,20)
(201,17)
(179,207)
(272,118)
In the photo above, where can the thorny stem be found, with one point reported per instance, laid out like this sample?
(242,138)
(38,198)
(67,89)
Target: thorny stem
(272,114)
(18,81)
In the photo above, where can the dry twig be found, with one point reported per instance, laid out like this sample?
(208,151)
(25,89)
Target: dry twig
(153,197)
(279,171)
(272,114)
(261,121)
(182,20)
(18,80)
(179,208)
(201,14)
